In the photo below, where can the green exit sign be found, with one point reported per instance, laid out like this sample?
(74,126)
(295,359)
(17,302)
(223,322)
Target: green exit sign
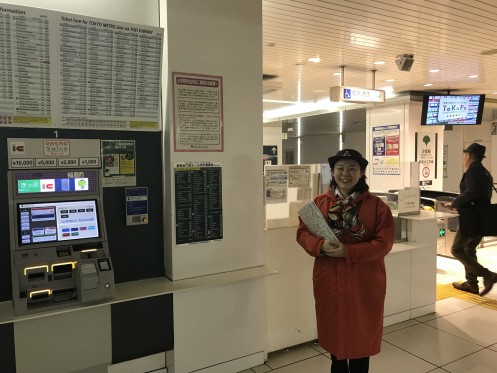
(441,232)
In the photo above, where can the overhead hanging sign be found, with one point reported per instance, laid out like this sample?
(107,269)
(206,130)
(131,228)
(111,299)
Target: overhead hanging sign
(352,94)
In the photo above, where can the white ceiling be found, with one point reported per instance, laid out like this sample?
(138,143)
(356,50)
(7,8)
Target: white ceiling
(457,37)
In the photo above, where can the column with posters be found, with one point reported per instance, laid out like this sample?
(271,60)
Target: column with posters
(198,200)
(198,113)
(119,163)
(386,150)
(68,70)
(426,156)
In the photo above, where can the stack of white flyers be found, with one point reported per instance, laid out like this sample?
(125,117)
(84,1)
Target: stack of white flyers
(315,222)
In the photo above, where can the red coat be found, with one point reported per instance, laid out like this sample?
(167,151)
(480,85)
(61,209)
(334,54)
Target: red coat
(350,292)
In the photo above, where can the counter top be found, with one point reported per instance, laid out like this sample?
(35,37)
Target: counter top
(133,290)
(426,215)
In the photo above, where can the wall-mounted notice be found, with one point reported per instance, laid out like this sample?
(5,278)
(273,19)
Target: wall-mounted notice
(299,176)
(198,113)
(386,150)
(426,156)
(276,179)
(199,202)
(119,163)
(67,70)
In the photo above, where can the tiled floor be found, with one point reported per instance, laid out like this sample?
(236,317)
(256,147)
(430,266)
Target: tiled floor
(460,337)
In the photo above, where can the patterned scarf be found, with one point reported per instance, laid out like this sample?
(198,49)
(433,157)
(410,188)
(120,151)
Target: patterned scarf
(343,216)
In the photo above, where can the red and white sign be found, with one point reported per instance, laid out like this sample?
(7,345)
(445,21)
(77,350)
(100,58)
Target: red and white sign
(47,185)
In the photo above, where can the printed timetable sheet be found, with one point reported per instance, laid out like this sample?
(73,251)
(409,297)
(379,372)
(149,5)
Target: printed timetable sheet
(68,70)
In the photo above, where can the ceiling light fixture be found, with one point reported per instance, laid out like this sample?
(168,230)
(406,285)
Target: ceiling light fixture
(314,59)
(493,93)
(473,76)
(379,62)
(390,80)
(337,74)
(434,70)
(428,85)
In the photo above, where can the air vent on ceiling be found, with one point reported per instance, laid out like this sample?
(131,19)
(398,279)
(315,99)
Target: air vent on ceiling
(489,52)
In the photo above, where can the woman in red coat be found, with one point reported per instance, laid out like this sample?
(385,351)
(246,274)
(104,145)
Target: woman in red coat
(349,274)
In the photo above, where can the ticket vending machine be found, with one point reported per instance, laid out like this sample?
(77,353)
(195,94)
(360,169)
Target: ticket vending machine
(59,250)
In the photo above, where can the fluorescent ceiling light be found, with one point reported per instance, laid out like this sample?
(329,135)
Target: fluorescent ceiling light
(390,80)
(337,74)
(434,70)
(379,62)
(314,59)
(302,108)
(428,85)
(363,40)
(281,102)
(493,93)
(473,76)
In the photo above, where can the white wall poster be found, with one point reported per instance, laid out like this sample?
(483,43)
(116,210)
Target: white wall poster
(198,113)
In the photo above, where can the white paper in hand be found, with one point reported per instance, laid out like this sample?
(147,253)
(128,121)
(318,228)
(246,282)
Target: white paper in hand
(315,222)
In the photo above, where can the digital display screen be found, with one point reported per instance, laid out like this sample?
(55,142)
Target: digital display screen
(452,109)
(57,221)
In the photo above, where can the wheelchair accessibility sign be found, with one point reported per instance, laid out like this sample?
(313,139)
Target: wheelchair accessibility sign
(352,94)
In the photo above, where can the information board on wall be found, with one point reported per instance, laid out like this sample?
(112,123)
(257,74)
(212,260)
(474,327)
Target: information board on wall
(386,150)
(199,202)
(426,156)
(198,113)
(119,163)
(68,70)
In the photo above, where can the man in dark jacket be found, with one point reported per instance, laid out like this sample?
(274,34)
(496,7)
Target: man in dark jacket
(475,190)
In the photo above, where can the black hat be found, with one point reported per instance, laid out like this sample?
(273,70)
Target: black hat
(476,149)
(348,154)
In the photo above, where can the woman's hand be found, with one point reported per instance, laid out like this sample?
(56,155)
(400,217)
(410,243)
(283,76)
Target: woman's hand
(333,248)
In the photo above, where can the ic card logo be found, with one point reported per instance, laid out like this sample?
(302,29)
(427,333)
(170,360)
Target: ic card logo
(17,148)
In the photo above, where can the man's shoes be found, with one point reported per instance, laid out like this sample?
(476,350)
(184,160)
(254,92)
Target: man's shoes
(465,286)
(488,283)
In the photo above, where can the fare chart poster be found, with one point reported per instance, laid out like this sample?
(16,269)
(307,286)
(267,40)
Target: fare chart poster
(67,70)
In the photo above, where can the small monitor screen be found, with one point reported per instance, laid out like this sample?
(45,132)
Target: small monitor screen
(452,109)
(43,222)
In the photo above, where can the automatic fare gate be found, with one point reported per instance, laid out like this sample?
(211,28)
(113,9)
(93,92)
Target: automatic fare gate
(59,250)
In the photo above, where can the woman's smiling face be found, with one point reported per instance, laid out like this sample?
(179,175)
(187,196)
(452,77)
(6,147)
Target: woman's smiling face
(346,173)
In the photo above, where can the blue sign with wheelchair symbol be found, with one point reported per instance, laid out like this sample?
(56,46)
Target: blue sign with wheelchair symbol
(347,93)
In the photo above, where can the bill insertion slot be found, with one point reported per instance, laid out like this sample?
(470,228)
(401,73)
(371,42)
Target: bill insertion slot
(62,270)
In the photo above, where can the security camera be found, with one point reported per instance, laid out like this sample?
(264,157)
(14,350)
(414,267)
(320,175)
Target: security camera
(404,61)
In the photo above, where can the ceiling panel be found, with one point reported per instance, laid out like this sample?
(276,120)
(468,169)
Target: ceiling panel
(441,34)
